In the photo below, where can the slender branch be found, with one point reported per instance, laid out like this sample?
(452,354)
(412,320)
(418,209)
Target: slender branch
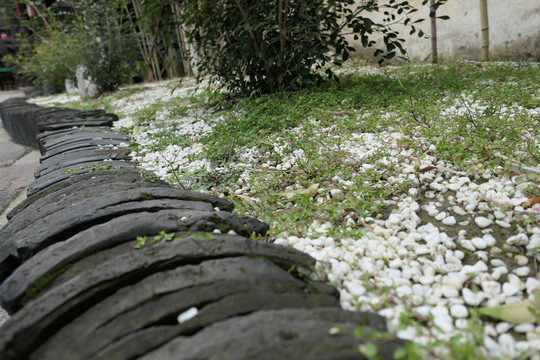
(246,19)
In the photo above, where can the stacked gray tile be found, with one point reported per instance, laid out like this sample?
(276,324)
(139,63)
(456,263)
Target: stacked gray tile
(79,285)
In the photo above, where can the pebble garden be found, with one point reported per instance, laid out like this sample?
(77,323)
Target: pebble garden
(444,155)
(105,261)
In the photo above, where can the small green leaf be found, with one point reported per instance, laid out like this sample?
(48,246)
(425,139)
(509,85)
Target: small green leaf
(369,350)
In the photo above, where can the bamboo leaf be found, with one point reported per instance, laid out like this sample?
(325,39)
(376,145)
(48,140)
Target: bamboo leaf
(310,190)
(517,313)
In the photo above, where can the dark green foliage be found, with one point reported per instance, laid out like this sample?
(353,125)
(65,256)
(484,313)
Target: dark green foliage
(48,62)
(95,34)
(109,48)
(269,45)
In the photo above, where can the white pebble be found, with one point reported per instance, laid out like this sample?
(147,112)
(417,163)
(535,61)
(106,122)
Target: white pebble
(432,211)
(450,291)
(471,298)
(524,328)
(519,240)
(394,219)
(403,291)
(479,243)
(508,345)
(489,239)
(482,222)
(471,206)
(426,279)
(440,216)
(522,271)
(450,268)
(480,267)
(439,310)
(187,315)
(422,311)
(467,244)
(534,335)
(429,194)
(449,221)
(489,330)
(407,334)
(445,322)
(503,327)
(491,288)
(497,262)
(521,260)
(299,247)
(422,250)
(492,346)
(459,311)
(509,289)
(502,223)
(335,192)
(523,346)
(458,210)
(461,324)
(532,284)
(355,288)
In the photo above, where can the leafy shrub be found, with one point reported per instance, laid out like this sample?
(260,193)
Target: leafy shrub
(108,51)
(268,45)
(95,34)
(49,62)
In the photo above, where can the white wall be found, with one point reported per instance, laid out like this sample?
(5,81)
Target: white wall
(514,31)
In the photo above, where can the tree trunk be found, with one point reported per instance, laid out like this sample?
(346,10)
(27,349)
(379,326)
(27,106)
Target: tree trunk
(485,29)
(432,13)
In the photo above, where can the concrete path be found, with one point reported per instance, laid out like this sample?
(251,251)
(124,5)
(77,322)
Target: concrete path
(17,164)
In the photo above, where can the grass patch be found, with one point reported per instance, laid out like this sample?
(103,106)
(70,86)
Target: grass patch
(34,289)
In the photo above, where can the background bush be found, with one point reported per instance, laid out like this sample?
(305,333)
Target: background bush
(95,34)
(47,62)
(108,50)
(245,46)
(269,45)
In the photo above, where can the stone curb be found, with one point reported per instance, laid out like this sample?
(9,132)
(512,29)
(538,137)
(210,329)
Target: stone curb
(103,261)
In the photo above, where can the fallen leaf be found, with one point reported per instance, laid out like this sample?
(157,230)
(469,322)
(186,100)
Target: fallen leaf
(426,169)
(310,190)
(332,112)
(441,169)
(531,201)
(367,226)
(249,200)
(290,194)
(517,313)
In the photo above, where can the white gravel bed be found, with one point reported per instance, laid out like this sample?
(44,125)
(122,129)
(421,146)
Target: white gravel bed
(406,262)
(420,266)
